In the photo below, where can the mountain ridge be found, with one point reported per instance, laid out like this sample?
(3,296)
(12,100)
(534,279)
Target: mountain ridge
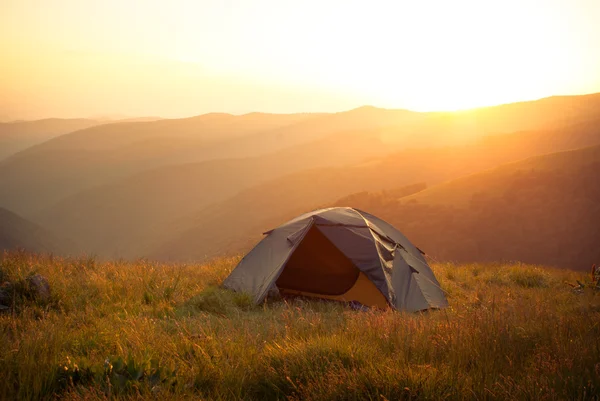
(305,190)
(19,233)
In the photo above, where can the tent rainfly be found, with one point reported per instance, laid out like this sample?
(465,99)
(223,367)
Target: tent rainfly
(342,254)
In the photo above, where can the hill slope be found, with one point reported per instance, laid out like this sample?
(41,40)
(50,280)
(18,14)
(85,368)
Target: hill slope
(543,210)
(18,233)
(20,135)
(123,219)
(230,226)
(44,174)
(17,136)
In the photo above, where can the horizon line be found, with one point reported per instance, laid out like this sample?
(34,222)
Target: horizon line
(124,118)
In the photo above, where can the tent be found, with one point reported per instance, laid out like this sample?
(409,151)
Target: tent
(342,254)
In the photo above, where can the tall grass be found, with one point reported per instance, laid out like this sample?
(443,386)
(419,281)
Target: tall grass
(145,330)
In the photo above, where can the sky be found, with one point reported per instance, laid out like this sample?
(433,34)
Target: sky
(177,58)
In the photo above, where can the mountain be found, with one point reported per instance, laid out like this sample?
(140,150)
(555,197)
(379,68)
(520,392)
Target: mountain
(538,115)
(459,192)
(197,187)
(546,113)
(232,225)
(542,210)
(20,135)
(124,218)
(44,174)
(19,233)
(17,136)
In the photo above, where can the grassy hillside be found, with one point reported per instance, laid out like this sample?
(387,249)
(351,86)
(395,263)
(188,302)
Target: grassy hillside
(543,210)
(125,218)
(150,331)
(238,221)
(19,233)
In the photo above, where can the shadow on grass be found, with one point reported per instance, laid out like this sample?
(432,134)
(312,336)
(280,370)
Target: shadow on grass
(217,301)
(223,302)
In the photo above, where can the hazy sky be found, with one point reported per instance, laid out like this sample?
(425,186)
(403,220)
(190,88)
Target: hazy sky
(74,58)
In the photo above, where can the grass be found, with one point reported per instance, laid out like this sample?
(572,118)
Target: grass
(142,330)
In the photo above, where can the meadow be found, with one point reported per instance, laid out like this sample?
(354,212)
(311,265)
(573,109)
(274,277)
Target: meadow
(143,330)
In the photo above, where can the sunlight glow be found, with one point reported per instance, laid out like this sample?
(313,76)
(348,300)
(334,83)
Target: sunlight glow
(421,55)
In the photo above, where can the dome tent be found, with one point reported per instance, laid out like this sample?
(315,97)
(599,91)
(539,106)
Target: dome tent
(339,253)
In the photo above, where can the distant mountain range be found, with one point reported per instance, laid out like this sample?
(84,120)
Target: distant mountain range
(195,188)
(19,135)
(227,225)
(126,217)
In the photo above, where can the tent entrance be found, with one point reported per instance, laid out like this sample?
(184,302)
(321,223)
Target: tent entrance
(317,268)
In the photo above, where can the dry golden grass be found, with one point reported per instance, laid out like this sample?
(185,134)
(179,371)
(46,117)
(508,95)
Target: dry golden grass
(511,332)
